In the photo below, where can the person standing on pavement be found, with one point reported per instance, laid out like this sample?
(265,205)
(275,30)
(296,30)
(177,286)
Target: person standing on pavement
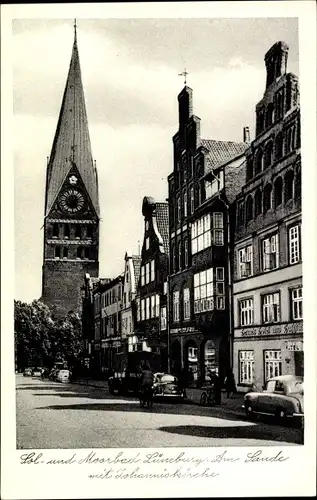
(230,384)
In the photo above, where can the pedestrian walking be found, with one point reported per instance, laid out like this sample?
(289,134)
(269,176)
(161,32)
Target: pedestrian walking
(230,384)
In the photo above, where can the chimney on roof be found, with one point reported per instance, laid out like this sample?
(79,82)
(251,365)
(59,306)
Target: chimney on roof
(246,134)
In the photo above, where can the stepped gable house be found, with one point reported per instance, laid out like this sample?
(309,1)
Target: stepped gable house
(153,276)
(207,175)
(71,222)
(268,329)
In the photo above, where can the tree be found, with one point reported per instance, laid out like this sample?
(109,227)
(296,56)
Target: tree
(42,339)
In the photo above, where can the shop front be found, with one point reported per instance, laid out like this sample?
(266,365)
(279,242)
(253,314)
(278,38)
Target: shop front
(263,352)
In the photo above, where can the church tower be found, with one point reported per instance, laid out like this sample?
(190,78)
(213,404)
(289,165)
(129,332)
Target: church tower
(71,221)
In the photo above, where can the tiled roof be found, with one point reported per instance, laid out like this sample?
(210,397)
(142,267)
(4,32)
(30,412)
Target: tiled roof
(219,152)
(137,268)
(72,141)
(161,210)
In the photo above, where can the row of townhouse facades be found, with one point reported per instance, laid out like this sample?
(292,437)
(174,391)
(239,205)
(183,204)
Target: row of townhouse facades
(218,284)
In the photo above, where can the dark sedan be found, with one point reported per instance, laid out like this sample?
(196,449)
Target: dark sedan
(167,386)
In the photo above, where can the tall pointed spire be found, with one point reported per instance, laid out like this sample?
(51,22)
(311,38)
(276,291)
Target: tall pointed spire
(72,142)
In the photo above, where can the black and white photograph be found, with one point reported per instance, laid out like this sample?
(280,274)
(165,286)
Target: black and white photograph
(159,242)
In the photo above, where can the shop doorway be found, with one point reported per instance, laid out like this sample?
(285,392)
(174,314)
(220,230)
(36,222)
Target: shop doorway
(210,362)
(191,363)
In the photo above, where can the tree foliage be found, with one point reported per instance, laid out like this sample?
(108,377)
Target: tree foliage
(42,338)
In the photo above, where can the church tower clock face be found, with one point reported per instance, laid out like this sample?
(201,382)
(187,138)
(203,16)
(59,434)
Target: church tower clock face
(71,201)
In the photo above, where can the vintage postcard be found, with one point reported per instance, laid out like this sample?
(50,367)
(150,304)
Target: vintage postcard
(158,250)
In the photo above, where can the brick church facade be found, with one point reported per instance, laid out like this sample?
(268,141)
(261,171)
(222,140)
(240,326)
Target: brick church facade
(71,221)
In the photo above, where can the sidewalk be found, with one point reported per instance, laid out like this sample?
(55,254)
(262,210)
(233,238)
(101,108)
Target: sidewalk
(193,395)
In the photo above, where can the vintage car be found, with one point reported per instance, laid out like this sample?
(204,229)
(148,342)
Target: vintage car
(281,396)
(124,382)
(166,385)
(63,376)
(36,372)
(27,372)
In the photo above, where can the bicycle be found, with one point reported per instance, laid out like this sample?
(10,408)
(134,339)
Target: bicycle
(207,397)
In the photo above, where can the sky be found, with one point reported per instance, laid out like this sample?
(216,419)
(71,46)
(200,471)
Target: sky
(130,75)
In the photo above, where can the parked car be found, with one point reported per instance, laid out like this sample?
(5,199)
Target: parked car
(53,374)
(27,372)
(63,376)
(166,385)
(36,372)
(282,397)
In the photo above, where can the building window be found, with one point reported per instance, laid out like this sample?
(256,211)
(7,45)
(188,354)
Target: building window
(55,231)
(279,146)
(185,203)
(201,234)
(57,252)
(270,253)
(176,306)
(249,169)
(79,253)
(259,162)
(147,308)
(78,231)
(215,185)
(246,367)
(258,203)
(272,363)
(186,303)
(246,312)
(269,115)
(279,105)
(192,201)
(89,232)
(294,245)
(271,308)
(65,252)
(147,273)
(153,306)
(147,243)
(289,186)
(249,209)
(152,270)
(178,210)
(142,309)
(163,318)
(267,198)
(172,263)
(142,276)
(186,252)
(297,303)
(157,306)
(278,192)
(268,155)
(66,231)
(240,213)
(180,258)
(206,289)
(245,261)
(217,227)
(87,252)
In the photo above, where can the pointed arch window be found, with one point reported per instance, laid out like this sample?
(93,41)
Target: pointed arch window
(268,154)
(289,186)
(185,203)
(267,198)
(180,256)
(78,231)
(259,162)
(279,146)
(249,209)
(258,203)
(278,192)
(186,252)
(55,231)
(269,115)
(57,252)
(89,231)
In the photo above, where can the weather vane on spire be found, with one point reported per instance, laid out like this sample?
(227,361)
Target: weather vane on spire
(75,30)
(184,74)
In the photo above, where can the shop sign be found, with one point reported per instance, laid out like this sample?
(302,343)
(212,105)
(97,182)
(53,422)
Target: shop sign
(286,329)
(295,346)
(186,329)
